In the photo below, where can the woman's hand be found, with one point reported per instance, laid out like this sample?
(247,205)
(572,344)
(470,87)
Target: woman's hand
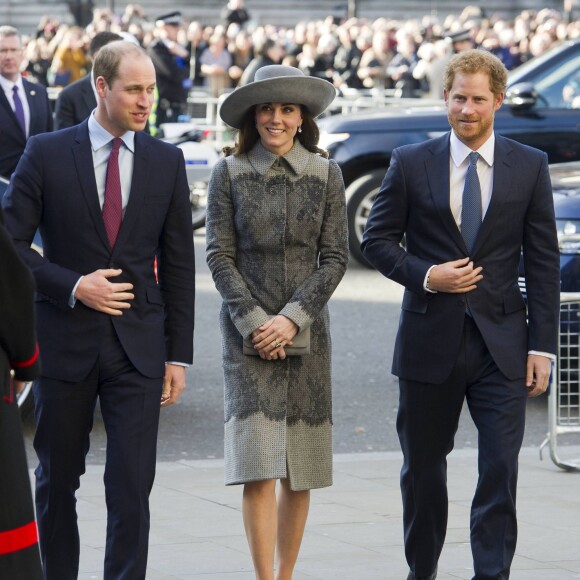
(271,338)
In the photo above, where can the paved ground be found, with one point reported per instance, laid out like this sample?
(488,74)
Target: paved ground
(354,530)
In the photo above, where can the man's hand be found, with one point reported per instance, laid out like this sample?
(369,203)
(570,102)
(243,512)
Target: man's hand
(173,384)
(537,374)
(456,277)
(96,292)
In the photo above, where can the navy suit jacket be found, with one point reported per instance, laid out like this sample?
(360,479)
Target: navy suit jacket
(54,189)
(74,103)
(414,201)
(12,140)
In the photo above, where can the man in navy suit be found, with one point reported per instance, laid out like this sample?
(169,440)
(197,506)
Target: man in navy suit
(114,305)
(463,333)
(24,106)
(78,100)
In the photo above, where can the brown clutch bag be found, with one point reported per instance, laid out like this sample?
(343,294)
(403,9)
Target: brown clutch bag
(300,346)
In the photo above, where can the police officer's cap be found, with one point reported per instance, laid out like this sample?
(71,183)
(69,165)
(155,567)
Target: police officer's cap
(460,36)
(170,19)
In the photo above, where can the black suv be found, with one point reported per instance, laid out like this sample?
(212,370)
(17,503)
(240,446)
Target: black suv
(538,110)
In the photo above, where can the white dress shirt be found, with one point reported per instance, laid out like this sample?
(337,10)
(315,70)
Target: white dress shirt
(101,145)
(458,164)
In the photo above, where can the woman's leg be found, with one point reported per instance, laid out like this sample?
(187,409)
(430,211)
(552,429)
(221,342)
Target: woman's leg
(259,512)
(292,513)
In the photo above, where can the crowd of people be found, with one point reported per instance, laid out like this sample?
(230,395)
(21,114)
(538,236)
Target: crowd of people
(356,53)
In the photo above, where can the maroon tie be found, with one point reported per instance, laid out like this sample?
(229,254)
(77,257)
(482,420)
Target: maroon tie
(112,207)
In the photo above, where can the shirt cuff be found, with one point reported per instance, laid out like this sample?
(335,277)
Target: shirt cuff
(179,364)
(546,354)
(72,299)
(426,280)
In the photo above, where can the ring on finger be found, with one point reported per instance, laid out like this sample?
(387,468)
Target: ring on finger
(277,344)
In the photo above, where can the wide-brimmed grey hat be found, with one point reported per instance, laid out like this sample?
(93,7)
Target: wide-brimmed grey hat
(277,84)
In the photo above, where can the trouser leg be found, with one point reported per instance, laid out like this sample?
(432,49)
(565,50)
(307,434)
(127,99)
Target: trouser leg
(130,405)
(426,423)
(497,406)
(64,418)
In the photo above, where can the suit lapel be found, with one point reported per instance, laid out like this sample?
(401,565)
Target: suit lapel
(502,178)
(437,167)
(83,157)
(139,182)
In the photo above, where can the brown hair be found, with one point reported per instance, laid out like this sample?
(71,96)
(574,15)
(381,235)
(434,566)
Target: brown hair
(248,136)
(109,58)
(477,61)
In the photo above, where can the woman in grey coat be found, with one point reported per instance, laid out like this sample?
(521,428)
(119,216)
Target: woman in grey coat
(277,249)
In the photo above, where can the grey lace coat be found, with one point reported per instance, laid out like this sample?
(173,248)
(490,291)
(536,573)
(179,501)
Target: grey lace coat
(277,244)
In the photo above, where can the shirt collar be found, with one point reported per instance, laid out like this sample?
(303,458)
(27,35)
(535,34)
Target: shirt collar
(460,151)
(7,84)
(100,137)
(262,159)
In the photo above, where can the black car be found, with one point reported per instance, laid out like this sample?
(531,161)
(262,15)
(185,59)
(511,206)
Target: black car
(565,178)
(566,186)
(538,110)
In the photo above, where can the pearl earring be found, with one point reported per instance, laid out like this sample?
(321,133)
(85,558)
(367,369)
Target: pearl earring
(300,129)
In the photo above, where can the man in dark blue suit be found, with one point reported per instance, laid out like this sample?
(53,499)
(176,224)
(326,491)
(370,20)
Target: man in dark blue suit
(115,305)
(467,203)
(24,106)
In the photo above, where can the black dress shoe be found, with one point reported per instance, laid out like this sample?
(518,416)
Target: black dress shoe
(433,576)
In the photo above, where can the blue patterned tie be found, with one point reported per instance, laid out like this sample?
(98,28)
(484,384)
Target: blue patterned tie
(471,209)
(18,109)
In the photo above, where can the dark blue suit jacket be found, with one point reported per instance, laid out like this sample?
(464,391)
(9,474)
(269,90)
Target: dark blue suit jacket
(414,201)
(74,103)
(54,189)
(12,140)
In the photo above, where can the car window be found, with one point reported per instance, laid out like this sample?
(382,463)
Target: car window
(523,72)
(559,86)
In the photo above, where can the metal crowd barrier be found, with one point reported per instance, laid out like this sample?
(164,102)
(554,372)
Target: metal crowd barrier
(203,109)
(564,395)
